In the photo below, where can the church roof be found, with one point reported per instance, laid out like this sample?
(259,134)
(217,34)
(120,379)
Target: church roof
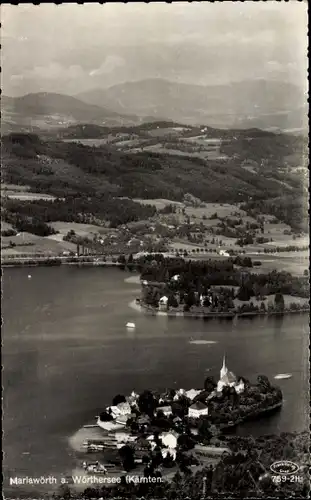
(229,378)
(198,406)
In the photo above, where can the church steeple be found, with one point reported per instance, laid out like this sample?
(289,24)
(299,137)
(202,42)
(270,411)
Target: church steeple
(224,369)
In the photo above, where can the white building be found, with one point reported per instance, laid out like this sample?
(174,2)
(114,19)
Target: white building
(197,410)
(120,409)
(166,410)
(163,303)
(192,393)
(224,253)
(169,439)
(179,393)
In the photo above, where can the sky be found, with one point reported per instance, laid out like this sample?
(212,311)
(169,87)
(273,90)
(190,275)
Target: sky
(71,48)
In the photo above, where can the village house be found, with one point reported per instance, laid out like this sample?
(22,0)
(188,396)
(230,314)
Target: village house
(192,393)
(169,439)
(179,393)
(166,410)
(197,410)
(120,409)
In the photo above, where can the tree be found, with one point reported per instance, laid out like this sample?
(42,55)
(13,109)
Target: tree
(127,456)
(147,403)
(279,301)
(185,442)
(245,292)
(172,301)
(204,431)
(105,417)
(119,398)
(209,384)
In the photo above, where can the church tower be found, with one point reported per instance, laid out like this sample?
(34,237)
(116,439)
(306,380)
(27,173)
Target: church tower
(224,369)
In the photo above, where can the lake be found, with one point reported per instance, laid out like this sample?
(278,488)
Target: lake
(67,352)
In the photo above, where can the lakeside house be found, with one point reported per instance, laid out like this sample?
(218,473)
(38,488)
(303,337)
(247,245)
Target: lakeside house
(163,303)
(120,409)
(197,410)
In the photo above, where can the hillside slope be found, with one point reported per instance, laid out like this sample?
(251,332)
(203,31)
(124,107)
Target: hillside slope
(45,110)
(60,168)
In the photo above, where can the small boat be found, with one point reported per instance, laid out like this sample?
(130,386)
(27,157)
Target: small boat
(130,325)
(29,276)
(282,376)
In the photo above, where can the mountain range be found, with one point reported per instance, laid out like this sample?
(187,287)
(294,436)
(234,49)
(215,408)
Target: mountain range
(46,110)
(268,105)
(253,103)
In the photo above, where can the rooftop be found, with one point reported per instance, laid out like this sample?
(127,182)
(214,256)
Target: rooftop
(198,406)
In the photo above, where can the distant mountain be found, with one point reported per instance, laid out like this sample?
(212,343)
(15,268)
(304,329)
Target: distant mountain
(254,103)
(48,110)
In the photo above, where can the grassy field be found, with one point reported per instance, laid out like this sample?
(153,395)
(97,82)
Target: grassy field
(159,203)
(288,299)
(79,229)
(27,243)
(28,196)
(14,187)
(90,142)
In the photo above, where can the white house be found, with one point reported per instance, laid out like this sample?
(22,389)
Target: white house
(240,387)
(197,410)
(169,439)
(163,303)
(120,409)
(224,253)
(132,399)
(167,410)
(179,393)
(192,393)
(175,277)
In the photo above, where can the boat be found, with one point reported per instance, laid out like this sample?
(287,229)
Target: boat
(281,376)
(130,325)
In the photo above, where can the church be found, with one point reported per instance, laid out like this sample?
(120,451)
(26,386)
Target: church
(228,379)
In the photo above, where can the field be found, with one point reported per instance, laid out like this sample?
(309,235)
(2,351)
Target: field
(28,196)
(14,191)
(288,299)
(159,203)
(79,229)
(27,243)
(90,142)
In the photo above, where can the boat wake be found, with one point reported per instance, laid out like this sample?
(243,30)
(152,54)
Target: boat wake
(134,280)
(281,376)
(202,342)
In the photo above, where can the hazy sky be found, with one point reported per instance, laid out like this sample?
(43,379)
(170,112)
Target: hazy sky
(71,48)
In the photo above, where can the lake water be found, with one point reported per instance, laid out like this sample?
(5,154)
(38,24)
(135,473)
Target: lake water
(67,352)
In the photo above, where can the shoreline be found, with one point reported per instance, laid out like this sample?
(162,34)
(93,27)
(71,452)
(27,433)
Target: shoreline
(56,261)
(154,312)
